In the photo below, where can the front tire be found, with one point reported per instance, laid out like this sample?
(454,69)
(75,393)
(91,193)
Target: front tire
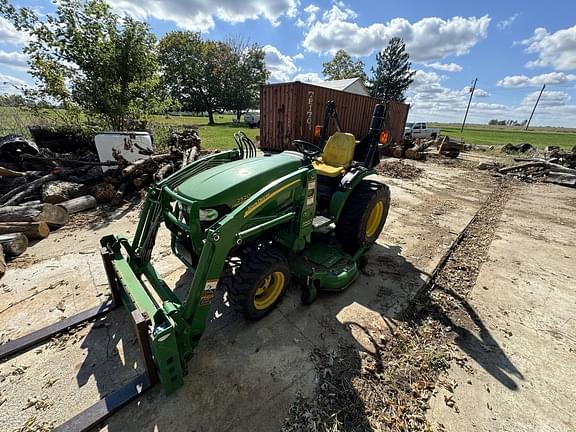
(259,283)
(363,216)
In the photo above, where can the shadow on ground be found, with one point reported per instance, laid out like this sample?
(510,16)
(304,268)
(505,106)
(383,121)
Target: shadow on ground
(246,375)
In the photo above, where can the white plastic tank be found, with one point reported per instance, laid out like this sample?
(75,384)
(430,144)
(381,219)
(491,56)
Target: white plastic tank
(130,145)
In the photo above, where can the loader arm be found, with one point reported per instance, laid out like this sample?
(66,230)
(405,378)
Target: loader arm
(176,326)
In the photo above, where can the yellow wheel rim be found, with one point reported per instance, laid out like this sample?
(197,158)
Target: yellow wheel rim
(374,219)
(269,290)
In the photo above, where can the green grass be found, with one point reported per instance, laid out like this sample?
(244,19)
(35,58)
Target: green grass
(219,136)
(498,136)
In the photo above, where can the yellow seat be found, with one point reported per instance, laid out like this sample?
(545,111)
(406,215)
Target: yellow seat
(337,155)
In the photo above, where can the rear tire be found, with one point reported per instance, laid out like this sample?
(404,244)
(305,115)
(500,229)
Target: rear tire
(259,282)
(363,216)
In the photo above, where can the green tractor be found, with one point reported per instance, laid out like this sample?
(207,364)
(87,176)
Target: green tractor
(250,225)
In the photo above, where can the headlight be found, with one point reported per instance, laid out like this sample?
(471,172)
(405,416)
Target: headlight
(208,215)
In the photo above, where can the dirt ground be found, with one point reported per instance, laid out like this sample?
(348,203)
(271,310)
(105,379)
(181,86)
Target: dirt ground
(245,376)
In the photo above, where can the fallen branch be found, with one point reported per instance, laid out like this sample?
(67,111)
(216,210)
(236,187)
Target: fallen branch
(521,166)
(5,172)
(12,197)
(130,169)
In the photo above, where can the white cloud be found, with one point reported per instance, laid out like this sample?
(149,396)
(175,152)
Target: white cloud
(281,66)
(427,40)
(310,77)
(8,34)
(10,84)
(339,12)
(537,80)
(557,50)
(478,92)
(447,67)
(14,59)
(548,99)
(199,15)
(298,56)
(504,24)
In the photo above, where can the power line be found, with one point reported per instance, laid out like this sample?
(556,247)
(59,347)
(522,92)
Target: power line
(535,105)
(469,101)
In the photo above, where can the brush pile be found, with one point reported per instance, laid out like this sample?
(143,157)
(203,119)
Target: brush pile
(552,166)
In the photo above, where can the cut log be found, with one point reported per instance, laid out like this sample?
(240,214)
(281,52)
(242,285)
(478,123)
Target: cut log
(163,171)
(32,230)
(5,172)
(2,263)
(78,204)
(561,178)
(59,191)
(54,216)
(13,244)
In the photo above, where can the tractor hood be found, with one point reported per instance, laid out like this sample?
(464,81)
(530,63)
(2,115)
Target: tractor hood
(232,183)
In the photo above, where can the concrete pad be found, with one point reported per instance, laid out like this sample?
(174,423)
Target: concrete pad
(521,355)
(243,375)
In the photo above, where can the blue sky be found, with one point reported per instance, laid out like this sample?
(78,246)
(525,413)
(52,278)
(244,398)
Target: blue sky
(512,47)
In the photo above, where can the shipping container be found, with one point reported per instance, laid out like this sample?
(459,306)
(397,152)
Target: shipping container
(290,111)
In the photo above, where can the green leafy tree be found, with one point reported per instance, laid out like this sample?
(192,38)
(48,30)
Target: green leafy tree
(85,56)
(245,75)
(196,72)
(392,76)
(342,67)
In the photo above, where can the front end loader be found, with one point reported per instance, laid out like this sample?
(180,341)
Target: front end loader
(250,225)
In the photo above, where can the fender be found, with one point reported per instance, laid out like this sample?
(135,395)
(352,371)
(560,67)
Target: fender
(347,185)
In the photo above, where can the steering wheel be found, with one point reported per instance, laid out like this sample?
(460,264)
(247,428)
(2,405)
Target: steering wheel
(307,148)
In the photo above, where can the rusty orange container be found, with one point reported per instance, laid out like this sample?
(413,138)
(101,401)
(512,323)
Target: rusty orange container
(290,111)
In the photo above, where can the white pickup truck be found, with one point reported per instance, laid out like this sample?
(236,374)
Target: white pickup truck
(419,130)
(252,118)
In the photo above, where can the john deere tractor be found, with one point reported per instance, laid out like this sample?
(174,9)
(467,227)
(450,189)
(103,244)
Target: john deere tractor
(250,226)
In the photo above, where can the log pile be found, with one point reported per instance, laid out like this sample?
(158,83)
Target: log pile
(419,149)
(555,166)
(40,188)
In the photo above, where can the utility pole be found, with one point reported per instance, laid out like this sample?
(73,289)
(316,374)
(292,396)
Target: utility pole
(535,105)
(468,107)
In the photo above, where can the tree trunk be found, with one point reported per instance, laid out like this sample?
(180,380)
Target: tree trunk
(32,230)
(58,191)
(78,204)
(13,244)
(238,115)
(211,117)
(52,215)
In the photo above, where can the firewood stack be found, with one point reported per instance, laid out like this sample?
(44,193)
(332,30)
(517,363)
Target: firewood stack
(39,188)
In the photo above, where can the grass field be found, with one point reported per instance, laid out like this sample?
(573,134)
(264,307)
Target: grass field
(221,135)
(497,136)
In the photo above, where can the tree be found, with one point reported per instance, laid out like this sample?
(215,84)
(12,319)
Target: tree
(342,67)
(196,72)
(392,75)
(84,54)
(245,75)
